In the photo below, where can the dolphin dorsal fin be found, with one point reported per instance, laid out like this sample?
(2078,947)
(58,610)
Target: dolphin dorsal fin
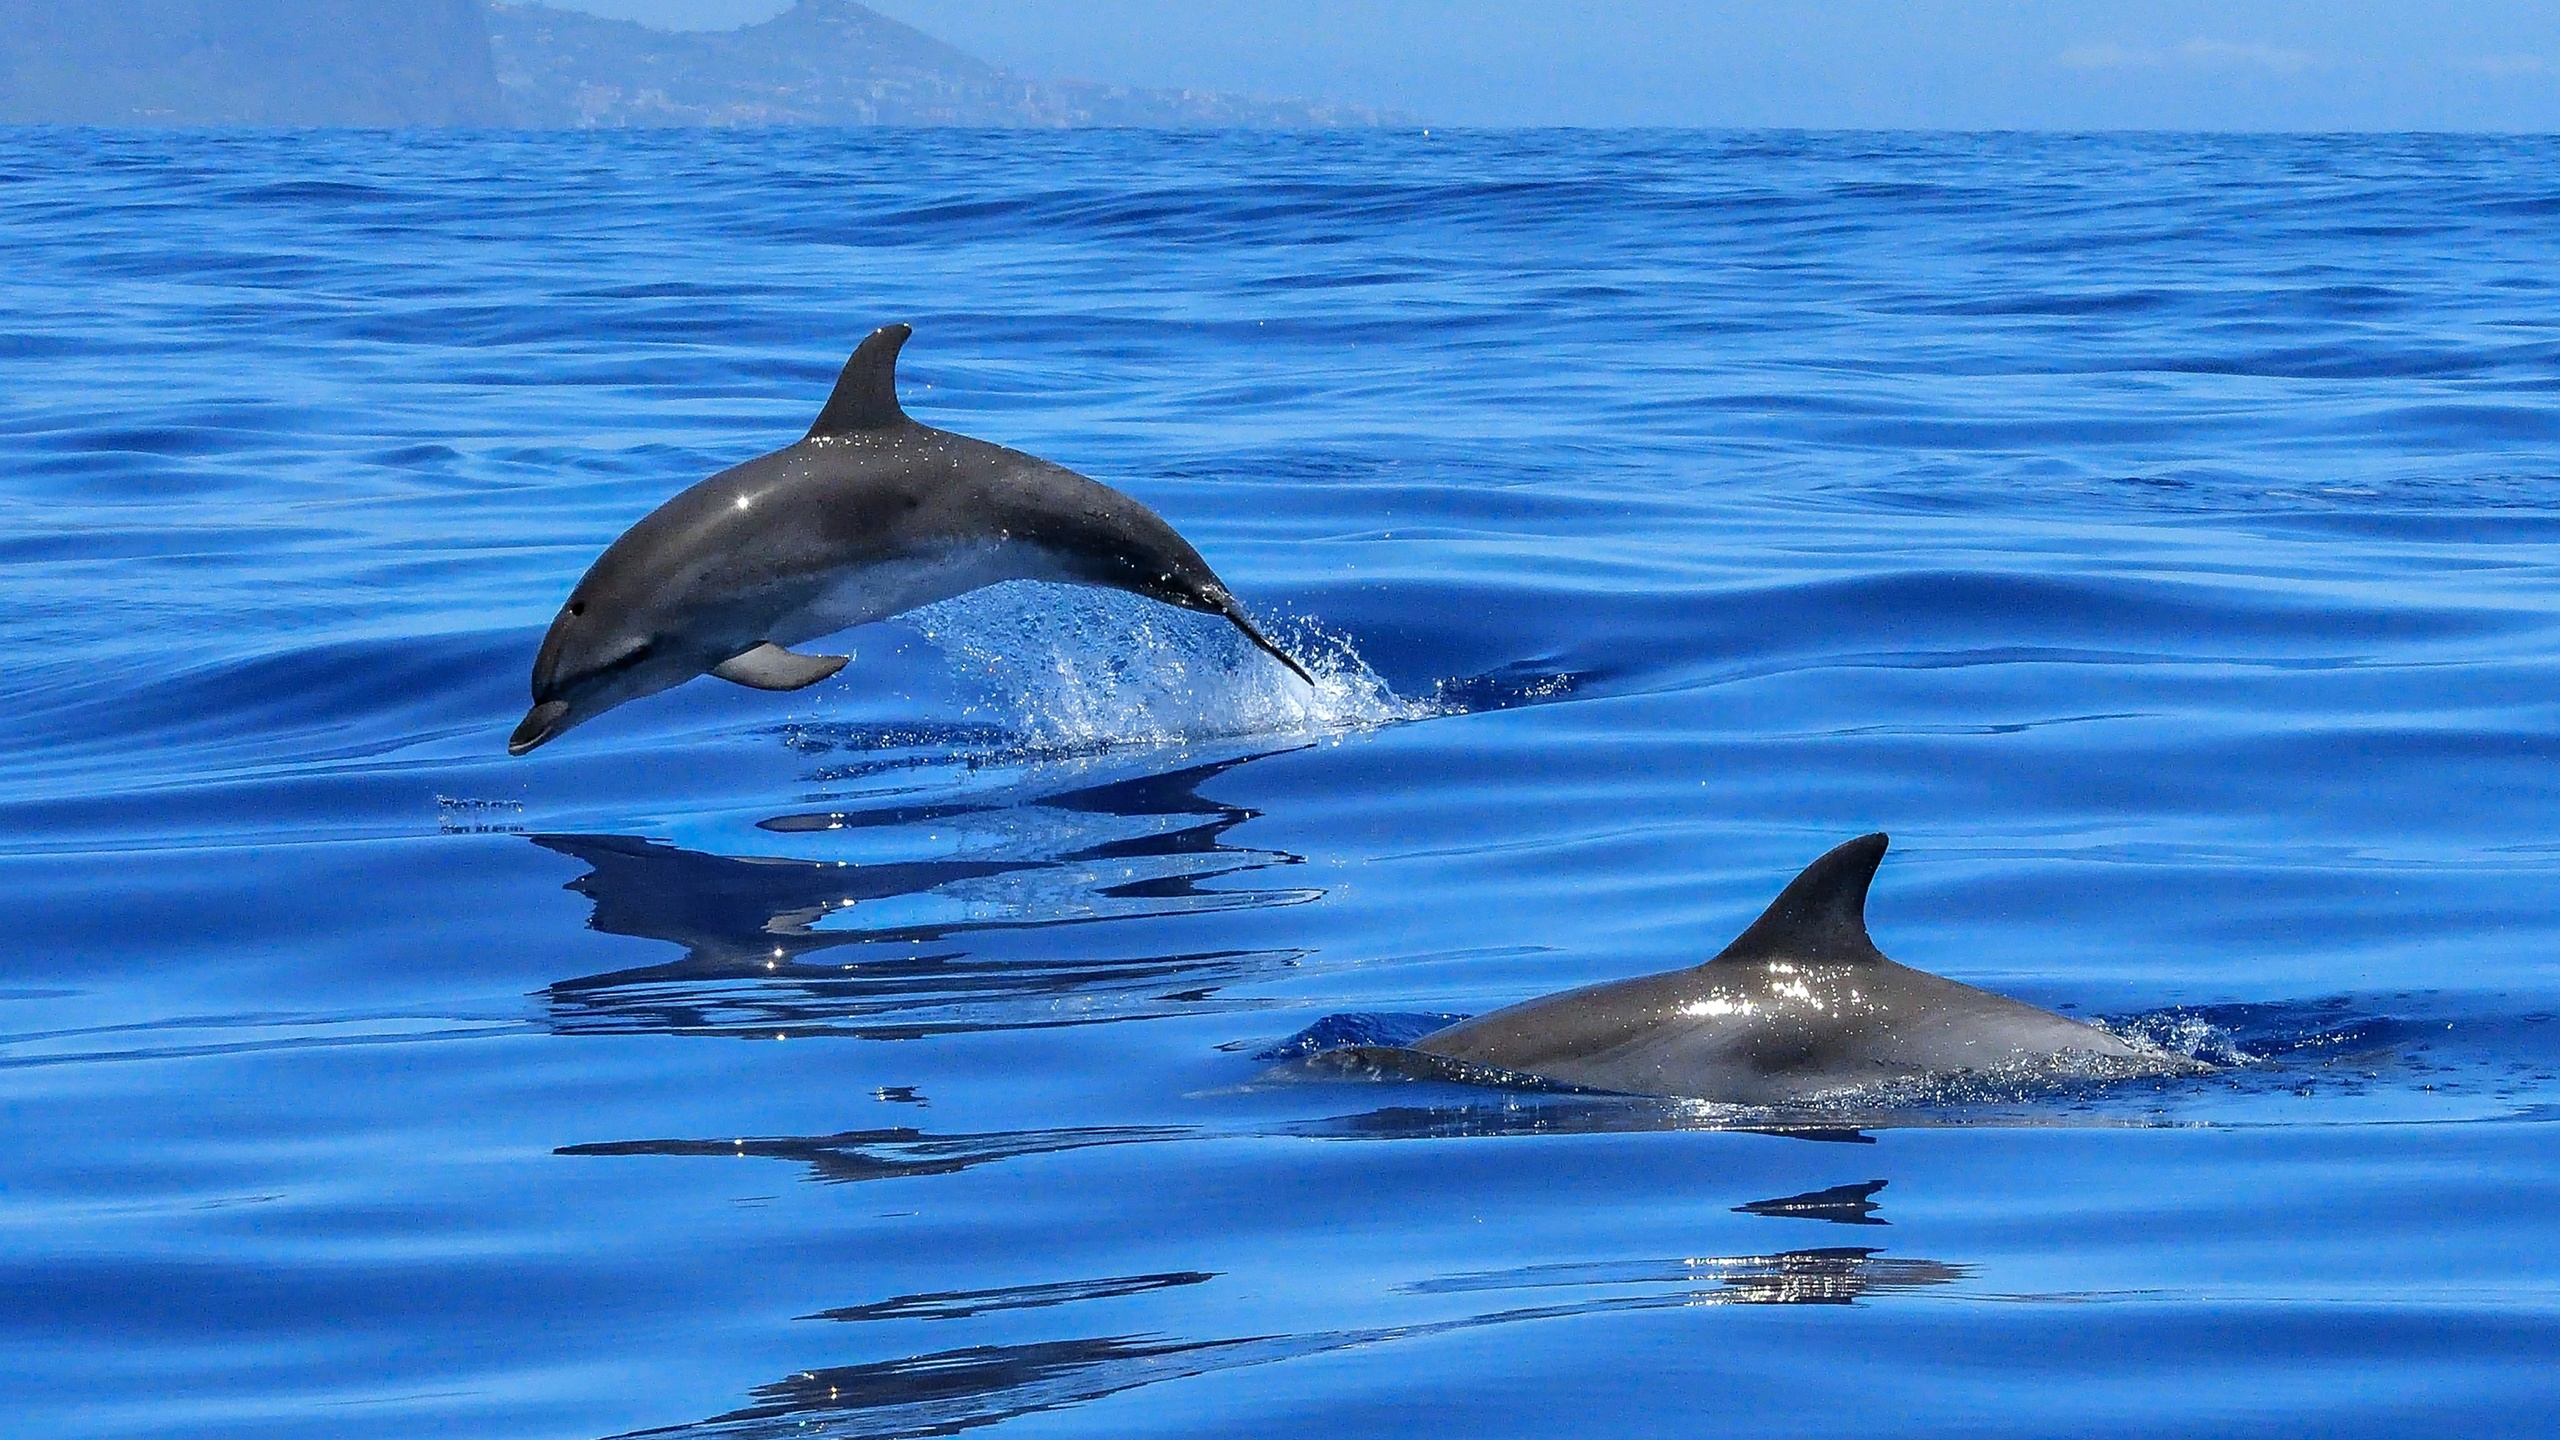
(866,395)
(1821,915)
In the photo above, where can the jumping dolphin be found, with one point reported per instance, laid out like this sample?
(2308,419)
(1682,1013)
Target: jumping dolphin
(1802,1005)
(869,515)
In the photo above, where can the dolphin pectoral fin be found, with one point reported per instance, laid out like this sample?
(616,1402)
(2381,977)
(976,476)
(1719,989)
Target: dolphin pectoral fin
(1235,615)
(770,667)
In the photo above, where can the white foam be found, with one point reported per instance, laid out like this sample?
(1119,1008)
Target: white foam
(1071,667)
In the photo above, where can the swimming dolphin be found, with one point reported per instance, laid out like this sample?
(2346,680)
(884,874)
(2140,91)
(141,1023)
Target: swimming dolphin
(869,515)
(1802,1005)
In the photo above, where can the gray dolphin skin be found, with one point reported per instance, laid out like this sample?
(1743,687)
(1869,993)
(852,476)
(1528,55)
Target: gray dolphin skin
(867,516)
(1801,1006)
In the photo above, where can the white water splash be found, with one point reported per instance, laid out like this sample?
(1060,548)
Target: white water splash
(1072,668)
(2179,1032)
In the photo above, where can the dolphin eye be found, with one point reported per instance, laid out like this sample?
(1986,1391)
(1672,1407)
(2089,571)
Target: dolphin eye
(577,607)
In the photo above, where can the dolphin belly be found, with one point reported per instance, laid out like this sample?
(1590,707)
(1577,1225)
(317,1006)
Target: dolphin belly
(876,590)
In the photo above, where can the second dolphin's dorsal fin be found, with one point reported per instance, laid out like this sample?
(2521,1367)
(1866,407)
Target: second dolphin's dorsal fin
(1821,915)
(866,395)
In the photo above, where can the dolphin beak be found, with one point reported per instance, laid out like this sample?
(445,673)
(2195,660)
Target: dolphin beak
(540,724)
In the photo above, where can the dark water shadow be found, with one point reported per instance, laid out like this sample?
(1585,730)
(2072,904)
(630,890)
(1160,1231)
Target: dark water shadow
(993,939)
(964,1304)
(949,1392)
(1840,1205)
(891,1153)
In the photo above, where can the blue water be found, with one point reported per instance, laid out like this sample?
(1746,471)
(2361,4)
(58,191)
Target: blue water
(2155,535)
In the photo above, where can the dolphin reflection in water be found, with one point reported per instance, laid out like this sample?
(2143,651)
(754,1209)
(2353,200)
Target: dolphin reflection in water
(1003,936)
(1802,1006)
(945,1392)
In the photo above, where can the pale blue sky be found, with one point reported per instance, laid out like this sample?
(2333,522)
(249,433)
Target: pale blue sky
(1965,64)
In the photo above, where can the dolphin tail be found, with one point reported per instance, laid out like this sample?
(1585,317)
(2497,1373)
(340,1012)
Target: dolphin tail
(1235,614)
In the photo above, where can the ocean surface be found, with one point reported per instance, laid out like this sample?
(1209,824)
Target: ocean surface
(2158,536)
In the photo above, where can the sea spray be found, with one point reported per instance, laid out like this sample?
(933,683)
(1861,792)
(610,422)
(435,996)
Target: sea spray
(1073,668)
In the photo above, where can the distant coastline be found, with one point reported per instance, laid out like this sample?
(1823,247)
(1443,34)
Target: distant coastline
(248,62)
(475,63)
(826,62)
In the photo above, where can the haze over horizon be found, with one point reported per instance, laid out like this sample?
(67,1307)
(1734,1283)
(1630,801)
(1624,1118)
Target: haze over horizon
(1888,64)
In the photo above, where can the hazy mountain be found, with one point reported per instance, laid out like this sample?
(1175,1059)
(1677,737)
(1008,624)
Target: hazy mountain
(823,62)
(466,62)
(246,62)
